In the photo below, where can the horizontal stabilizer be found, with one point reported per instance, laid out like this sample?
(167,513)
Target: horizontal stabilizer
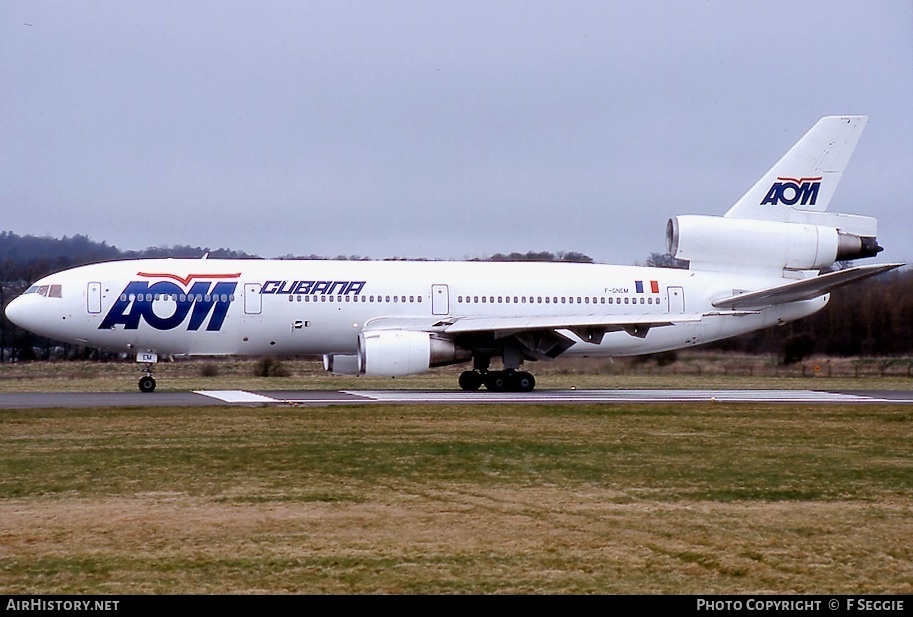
(805,289)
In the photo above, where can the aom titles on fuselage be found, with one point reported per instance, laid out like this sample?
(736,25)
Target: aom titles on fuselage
(757,266)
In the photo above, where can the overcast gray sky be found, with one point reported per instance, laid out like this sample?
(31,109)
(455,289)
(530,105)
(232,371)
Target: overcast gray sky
(432,128)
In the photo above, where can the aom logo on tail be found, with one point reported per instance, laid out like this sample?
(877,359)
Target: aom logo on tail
(790,191)
(165,305)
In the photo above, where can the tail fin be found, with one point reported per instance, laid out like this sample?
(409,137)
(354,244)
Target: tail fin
(781,224)
(798,189)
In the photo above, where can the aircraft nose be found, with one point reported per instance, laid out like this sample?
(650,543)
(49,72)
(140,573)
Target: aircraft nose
(18,313)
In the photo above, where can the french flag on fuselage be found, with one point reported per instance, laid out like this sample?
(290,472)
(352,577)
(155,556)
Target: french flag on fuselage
(639,287)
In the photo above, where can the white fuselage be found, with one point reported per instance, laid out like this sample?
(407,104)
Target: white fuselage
(289,307)
(756,266)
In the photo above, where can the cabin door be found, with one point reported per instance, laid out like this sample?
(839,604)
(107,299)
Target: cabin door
(93,298)
(440,300)
(676,297)
(252,302)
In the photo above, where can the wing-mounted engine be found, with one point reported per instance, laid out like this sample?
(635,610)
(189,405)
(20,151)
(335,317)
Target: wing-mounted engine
(394,353)
(725,244)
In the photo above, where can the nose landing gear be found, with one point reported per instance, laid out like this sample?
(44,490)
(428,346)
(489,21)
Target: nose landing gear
(147,381)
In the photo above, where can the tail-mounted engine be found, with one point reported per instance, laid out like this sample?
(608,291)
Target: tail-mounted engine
(718,243)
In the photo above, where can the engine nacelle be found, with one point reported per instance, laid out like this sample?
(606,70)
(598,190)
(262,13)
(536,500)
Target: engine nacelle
(393,353)
(339,364)
(726,242)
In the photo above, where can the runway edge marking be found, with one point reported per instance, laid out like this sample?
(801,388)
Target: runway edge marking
(619,396)
(237,396)
(552,396)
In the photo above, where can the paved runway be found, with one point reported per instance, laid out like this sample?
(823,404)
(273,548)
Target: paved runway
(36,400)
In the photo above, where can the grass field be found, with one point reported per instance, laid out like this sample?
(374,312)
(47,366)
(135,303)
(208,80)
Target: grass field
(543,499)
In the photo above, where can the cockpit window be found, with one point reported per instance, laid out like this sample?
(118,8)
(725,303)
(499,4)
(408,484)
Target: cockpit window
(48,291)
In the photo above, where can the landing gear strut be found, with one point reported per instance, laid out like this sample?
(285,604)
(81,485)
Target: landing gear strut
(147,381)
(508,380)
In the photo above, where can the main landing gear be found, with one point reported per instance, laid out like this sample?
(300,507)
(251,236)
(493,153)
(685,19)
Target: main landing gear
(508,380)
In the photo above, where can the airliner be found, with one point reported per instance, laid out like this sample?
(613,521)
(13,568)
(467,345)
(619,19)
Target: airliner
(767,261)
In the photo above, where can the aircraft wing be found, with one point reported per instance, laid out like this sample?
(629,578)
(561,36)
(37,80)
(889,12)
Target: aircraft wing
(804,289)
(504,326)
(539,337)
(536,338)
